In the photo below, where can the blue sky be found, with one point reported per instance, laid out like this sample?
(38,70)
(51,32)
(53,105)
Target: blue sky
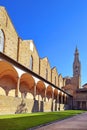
(56,26)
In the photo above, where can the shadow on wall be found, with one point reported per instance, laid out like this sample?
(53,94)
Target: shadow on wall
(41,106)
(35,106)
(52,106)
(22,108)
(56,106)
(38,106)
(66,107)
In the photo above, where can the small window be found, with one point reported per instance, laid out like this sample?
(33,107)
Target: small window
(31,46)
(55,80)
(31,63)
(1,40)
(46,74)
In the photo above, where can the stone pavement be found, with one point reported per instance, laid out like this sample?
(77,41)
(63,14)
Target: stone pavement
(78,122)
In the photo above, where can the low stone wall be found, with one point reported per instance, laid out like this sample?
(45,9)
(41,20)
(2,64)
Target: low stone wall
(8,105)
(61,107)
(12,105)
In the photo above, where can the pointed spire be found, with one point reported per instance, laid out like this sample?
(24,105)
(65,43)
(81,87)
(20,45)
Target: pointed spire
(76,51)
(76,63)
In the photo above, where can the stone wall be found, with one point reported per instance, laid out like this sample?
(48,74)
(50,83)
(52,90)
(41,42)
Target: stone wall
(10,35)
(60,81)
(75,82)
(54,77)
(26,50)
(44,65)
(12,105)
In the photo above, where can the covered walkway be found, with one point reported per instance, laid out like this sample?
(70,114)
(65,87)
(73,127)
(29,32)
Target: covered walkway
(18,84)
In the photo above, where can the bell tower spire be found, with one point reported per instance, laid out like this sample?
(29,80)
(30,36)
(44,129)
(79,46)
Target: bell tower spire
(77,66)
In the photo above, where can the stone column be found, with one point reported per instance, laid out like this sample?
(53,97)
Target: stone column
(53,101)
(57,98)
(45,96)
(61,99)
(34,92)
(58,105)
(39,101)
(65,100)
(38,98)
(17,89)
(52,97)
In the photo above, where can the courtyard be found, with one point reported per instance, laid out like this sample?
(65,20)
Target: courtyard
(28,121)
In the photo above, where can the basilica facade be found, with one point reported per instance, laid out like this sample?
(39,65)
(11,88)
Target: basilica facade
(27,81)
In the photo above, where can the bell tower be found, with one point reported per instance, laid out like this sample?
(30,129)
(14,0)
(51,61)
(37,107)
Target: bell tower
(77,67)
(76,64)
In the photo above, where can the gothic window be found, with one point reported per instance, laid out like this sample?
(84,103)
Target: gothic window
(55,80)
(46,74)
(31,63)
(1,40)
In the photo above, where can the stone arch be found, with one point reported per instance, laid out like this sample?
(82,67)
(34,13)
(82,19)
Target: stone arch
(63,98)
(60,97)
(27,84)
(55,99)
(49,92)
(8,78)
(55,93)
(40,88)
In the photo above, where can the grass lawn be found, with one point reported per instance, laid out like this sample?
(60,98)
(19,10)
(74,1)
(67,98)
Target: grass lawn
(25,121)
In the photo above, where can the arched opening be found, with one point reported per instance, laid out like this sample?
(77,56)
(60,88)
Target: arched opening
(55,94)
(8,78)
(49,92)
(27,84)
(60,96)
(1,41)
(63,99)
(40,89)
(66,100)
(40,94)
(56,98)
